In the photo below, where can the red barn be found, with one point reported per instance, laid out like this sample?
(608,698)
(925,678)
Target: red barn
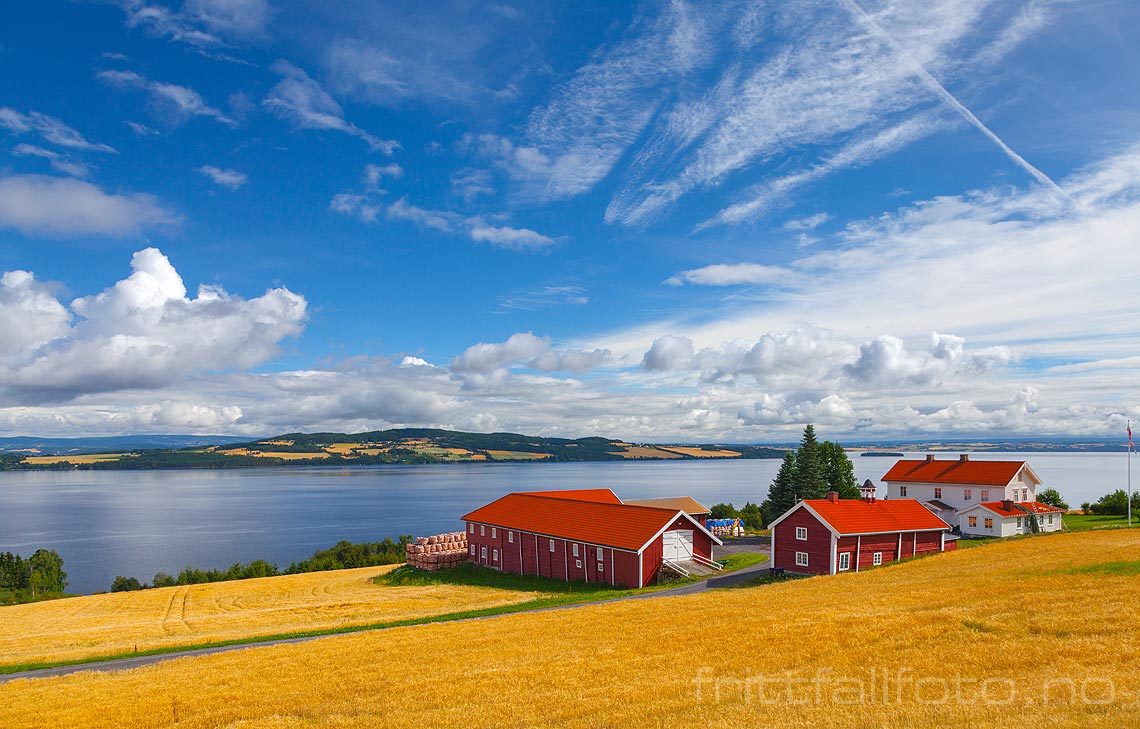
(826,536)
(588,534)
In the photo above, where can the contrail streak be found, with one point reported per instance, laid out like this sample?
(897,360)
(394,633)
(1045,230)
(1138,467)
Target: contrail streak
(937,87)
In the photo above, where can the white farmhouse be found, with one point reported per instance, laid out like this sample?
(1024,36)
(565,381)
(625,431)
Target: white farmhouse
(983,498)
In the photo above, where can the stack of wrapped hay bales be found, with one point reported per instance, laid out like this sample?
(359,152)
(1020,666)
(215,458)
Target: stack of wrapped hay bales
(438,552)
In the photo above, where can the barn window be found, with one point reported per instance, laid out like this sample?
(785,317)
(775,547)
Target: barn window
(494,533)
(973,521)
(989,523)
(578,563)
(844,561)
(470,528)
(801,534)
(483,553)
(902,491)
(576,552)
(877,559)
(482,530)
(985,495)
(511,537)
(472,550)
(552,546)
(495,555)
(938,492)
(968,494)
(601,566)
(599,554)
(801,559)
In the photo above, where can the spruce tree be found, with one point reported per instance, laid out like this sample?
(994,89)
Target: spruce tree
(838,471)
(781,493)
(809,482)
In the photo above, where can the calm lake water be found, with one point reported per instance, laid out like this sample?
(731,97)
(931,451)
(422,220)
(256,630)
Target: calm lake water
(137,523)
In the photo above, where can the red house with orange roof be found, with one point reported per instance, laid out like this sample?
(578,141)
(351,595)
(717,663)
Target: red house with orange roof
(831,535)
(588,535)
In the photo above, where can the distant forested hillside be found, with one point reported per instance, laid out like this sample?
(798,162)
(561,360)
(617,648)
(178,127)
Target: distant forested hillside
(403,445)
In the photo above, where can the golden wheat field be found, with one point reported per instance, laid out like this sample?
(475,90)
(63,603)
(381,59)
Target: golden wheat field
(85,458)
(517,455)
(97,625)
(701,453)
(978,637)
(644,452)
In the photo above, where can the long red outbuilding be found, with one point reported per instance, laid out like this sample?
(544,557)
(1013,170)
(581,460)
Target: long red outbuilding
(585,534)
(830,535)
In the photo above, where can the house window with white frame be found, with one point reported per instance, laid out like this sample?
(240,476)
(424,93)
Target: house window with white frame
(989,523)
(968,494)
(801,534)
(601,566)
(482,530)
(494,533)
(973,521)
(877,559)
(985,495)
(483,553)
(470,528)
(902,491)
(576,551)
(578,563)
(511,537)
(494,555)
(1019,522)
(552,546)
(1049,520)
(844,561)
(938,492)
(801,559)
(599,554)
(472,550)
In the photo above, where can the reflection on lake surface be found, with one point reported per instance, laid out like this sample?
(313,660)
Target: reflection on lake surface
(136,523)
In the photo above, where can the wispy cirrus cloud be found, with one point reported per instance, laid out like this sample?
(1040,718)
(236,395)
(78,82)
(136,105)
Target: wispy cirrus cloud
(60,162)
(300,100)
(49,129)
(476,228)
(229,179)
(730,274)
(172,101)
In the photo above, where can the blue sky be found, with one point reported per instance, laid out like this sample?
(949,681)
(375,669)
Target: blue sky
(652,220)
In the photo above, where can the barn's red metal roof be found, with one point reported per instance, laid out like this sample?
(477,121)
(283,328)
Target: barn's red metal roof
(687,504)
(623,526)
(1020,508)
(602,496)
(855,516)
(974,473)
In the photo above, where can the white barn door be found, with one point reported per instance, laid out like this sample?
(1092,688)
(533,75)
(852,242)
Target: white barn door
(677,544)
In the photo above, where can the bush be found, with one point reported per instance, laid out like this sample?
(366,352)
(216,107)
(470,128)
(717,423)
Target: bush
(723,511)
(126,584)
(1116,504)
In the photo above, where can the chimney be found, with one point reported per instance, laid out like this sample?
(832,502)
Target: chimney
(1007,504)
(964,457)
(930,459)
(833,497)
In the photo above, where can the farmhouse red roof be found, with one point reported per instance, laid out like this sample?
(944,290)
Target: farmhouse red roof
(1020,508)
(601,496)
(974,473)
(623,526)
(855,516)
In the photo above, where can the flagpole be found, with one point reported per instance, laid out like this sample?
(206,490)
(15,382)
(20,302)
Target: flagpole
(1129,473)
